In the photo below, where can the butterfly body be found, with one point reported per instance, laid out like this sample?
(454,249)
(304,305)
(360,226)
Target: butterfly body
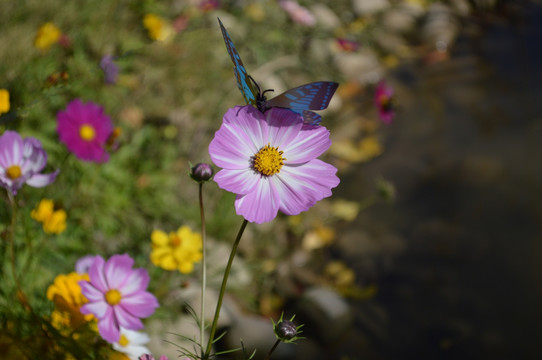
(302,99)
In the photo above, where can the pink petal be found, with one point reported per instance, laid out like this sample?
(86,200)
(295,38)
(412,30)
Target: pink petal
(41,180)
(284,126)
(141,304)
(90,292)
(310,143)
(96,274)
(127,320)
(11,149)
(260,205)
(146,357)
(237,181)
(117,269)
(109,327)
(231,148)
(98,309)
(302,186)
(137,280)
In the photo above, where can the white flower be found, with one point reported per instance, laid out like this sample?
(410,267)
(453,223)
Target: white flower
(132,343)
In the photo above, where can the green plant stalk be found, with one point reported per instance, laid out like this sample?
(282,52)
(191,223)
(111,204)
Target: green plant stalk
(203,267)
(272,349)
(223,290)
(20,294)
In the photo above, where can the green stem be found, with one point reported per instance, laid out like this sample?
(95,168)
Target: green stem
(20,294)
(272,349)
(223,290)
(203,267)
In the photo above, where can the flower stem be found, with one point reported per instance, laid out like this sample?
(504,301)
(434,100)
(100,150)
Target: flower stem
(223,290)
(272,349)
(20,294)
(203,267)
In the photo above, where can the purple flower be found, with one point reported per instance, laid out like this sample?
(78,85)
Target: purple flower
(384,102)
(85,129)
(117,295)
(21,161)
(110,69)
(269,161)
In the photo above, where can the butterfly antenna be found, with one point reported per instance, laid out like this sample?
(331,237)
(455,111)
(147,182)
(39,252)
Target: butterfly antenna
(256,84)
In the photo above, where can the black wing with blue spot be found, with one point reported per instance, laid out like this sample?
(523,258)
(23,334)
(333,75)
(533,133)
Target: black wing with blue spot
(312,96)
(244,82)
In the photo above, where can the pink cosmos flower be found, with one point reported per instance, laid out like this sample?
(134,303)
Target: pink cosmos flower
(384,102)
(21,161)
(298,13)
(117,295)
(84,128)
(270,161)
(347,44)
(150,357)
(82,265)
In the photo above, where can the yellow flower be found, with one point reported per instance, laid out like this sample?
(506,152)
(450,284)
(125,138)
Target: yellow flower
(66,293)
(318,237)
(47,35)
(43,211)
(157,27)
(54,221)
(4,101)
(176,250)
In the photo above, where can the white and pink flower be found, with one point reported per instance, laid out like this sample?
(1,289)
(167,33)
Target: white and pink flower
(270,161)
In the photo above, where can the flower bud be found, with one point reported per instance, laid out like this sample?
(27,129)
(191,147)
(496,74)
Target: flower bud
(201,172)
(286,330)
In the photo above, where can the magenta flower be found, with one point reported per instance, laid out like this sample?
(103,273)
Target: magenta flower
(347,45)
(269,161)
(384,102)
(85,129)
(21,161)
(117,295)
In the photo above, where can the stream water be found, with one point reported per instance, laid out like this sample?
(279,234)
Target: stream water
(458,257)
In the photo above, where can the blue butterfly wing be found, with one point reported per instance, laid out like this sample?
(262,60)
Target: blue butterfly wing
(312,96)
(311,118)
(250,93)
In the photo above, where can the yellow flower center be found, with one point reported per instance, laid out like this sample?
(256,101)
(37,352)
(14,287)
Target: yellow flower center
(13,172)
(174,240)
(113,297)
(87,132)
(123,341)
(268,160)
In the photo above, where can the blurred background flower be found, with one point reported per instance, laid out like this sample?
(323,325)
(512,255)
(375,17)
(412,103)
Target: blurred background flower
(177,250)
(84,128)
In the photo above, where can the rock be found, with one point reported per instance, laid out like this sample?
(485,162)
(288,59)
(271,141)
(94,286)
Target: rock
(440,28)
(369,7)
(325,313)
(325,17)
(362,66)
(253,333)
(401,19)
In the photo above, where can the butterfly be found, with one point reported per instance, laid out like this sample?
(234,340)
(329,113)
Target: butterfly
(302,99)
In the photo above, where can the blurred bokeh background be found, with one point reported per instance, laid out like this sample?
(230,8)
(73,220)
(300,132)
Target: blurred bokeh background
(429,248)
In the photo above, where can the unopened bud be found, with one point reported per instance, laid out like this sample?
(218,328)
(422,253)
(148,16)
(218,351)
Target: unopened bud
(202,172)
(286,330)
